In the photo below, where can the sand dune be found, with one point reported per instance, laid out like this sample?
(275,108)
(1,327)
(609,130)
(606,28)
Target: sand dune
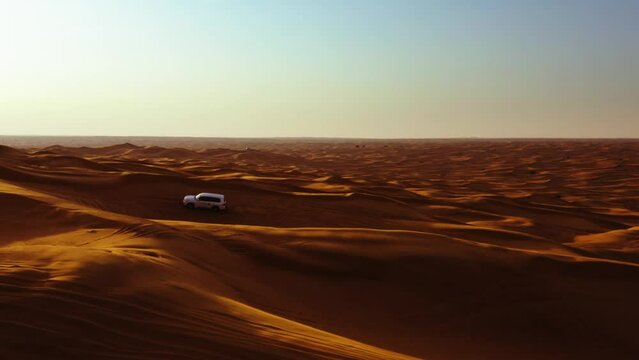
(330,250)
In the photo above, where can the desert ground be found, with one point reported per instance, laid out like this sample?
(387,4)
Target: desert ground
(330,249)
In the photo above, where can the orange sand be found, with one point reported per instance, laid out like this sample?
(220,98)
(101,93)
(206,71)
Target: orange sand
(384,250)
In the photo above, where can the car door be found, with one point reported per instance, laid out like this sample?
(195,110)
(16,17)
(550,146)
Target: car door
(204,202)
(215,201)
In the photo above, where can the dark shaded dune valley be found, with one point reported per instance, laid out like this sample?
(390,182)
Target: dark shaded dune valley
(330,249)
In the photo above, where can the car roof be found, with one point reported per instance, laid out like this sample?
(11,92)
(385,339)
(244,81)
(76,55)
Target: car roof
(210,194)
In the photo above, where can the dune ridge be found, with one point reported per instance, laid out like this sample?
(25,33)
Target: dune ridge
(330,250)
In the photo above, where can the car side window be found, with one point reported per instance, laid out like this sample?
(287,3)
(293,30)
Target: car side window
(209,199)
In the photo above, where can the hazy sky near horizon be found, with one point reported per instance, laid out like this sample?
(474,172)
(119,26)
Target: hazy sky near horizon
(359,68)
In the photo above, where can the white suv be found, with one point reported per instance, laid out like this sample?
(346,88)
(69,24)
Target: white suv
(211,201)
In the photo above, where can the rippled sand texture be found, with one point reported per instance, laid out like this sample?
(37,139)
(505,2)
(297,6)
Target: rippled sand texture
(330,250)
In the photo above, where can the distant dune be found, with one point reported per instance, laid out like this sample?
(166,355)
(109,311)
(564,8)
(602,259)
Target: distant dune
(345,249)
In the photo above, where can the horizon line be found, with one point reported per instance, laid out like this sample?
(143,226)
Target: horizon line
(322,137)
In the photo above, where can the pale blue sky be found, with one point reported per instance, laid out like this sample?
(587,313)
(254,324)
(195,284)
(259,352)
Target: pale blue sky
(382,69)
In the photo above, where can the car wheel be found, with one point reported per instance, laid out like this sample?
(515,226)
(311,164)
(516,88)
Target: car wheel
(215,208)
(190,206)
